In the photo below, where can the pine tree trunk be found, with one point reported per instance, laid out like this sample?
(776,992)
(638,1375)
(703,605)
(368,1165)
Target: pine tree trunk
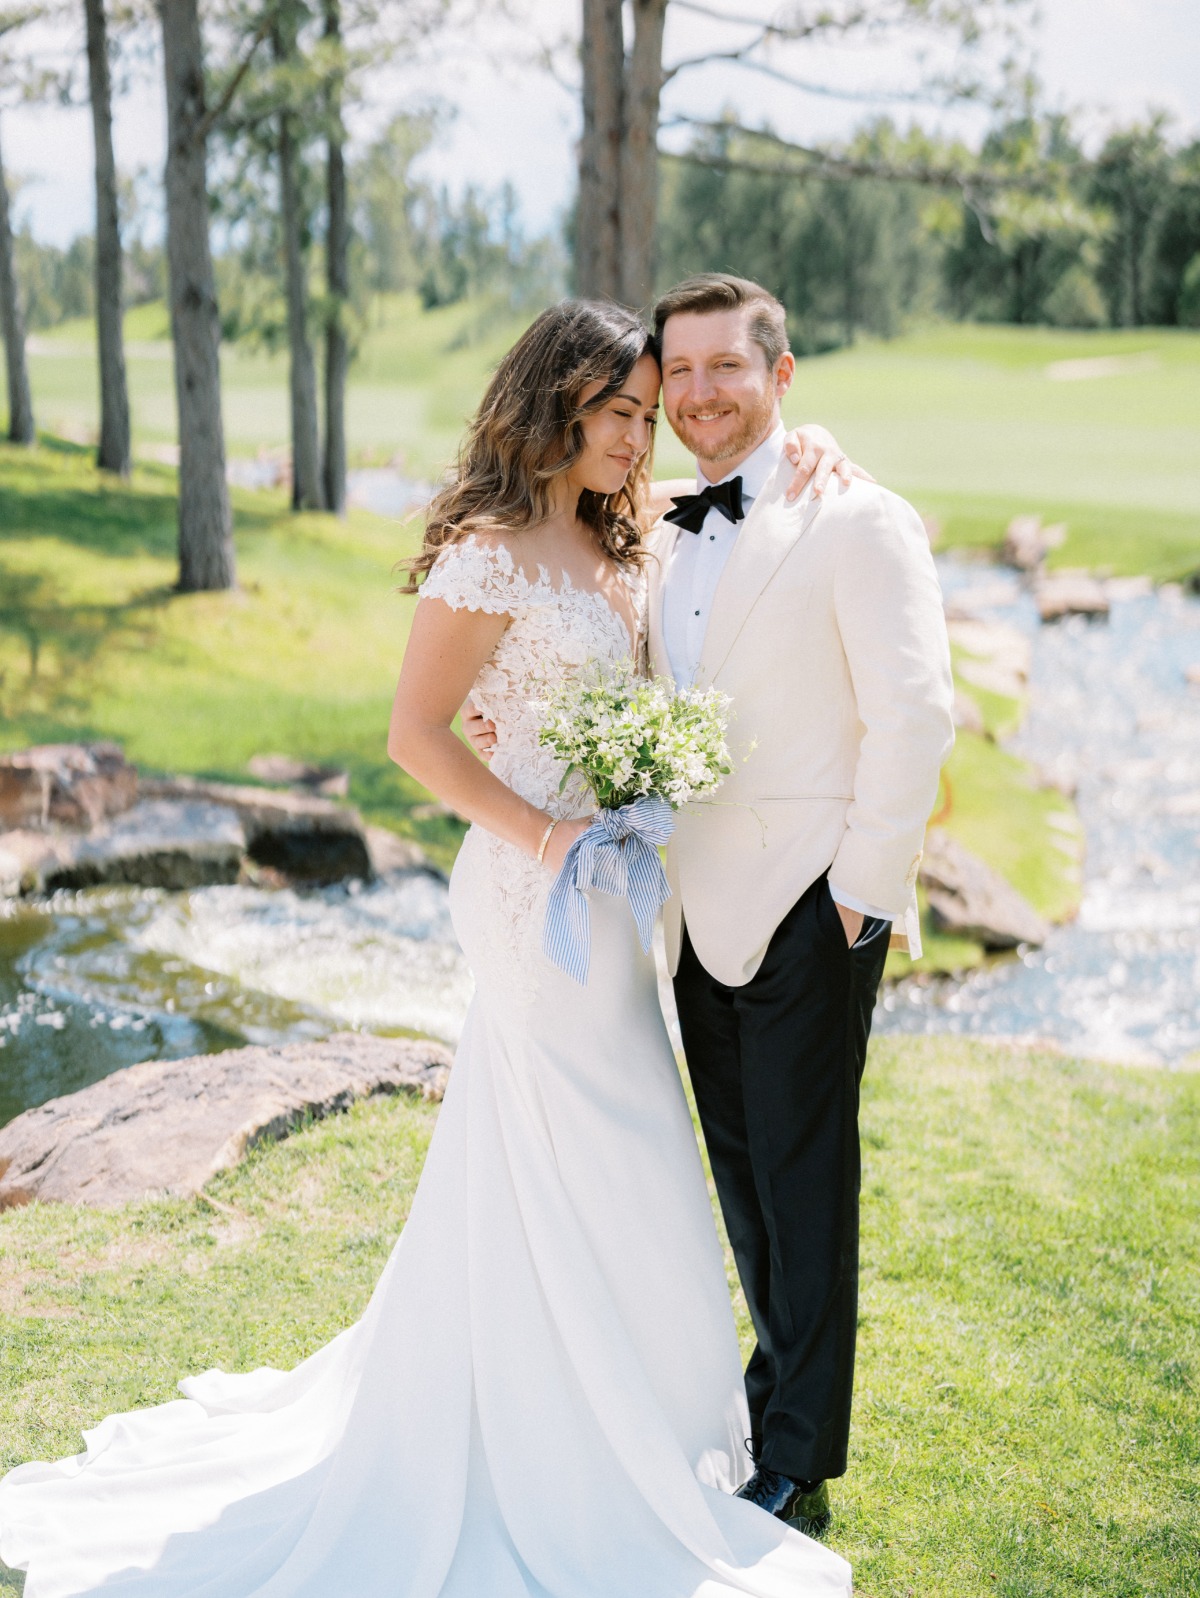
(337,275)
(598,222)
(114,452)
(205,527)
(12,324)
(302,378)
(639,153)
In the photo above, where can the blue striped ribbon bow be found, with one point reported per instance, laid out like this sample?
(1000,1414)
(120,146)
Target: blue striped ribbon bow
(618,854)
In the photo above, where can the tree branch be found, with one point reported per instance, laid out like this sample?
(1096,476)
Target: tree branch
(770,29)
(936,92)
(820,163)
(215,112)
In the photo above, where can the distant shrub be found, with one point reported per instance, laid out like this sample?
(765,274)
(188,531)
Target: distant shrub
(1075,301)
(1189,294)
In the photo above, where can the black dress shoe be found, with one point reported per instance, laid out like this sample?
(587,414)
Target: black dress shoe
(803,1505)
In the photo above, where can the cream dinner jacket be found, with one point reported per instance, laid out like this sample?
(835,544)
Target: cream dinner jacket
(827,633)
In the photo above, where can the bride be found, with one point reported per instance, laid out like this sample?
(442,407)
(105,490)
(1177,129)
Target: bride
(544,1397)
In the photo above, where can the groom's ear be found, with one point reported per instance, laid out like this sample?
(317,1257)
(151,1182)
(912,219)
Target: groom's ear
(785,371)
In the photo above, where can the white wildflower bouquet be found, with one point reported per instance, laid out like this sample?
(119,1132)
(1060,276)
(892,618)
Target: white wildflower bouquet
(644,749)
(631,737)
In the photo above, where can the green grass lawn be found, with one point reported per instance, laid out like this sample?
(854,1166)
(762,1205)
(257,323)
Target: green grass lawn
(1026,1420)
(417,378)
(972,425)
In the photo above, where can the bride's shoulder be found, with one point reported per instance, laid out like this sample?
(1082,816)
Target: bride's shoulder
(478,571)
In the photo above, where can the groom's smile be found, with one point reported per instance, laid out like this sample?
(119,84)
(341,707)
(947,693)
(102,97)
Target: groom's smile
(720,394)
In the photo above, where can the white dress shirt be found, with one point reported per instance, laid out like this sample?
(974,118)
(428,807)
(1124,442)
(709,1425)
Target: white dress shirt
(694,568)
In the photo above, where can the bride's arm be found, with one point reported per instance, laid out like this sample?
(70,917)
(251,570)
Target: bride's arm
(446,649)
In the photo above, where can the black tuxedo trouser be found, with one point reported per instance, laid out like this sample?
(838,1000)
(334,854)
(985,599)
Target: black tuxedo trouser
(776,1067)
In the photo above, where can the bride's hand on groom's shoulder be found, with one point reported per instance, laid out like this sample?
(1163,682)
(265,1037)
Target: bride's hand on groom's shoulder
(816,454)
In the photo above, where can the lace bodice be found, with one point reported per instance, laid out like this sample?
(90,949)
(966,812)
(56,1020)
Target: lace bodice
(557,630)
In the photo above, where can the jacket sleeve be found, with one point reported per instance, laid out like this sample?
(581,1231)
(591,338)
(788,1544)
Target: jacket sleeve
(888,605)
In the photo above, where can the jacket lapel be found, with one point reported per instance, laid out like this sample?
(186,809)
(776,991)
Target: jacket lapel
(769,534)
(658,544)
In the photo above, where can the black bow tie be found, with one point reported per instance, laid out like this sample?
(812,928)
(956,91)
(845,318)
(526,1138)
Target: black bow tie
(691,509)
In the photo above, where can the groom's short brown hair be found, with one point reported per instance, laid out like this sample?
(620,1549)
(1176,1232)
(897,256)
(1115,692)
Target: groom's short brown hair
(721,291)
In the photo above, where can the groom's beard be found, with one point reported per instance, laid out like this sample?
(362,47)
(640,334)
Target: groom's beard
(753,427)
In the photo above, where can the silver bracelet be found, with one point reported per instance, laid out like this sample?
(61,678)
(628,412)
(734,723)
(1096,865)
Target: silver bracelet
(541,854)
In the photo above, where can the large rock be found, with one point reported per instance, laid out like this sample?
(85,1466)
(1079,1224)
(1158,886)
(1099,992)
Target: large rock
(25,857)
(1027,542)
(968,899)
(65,785)
(1070,593)
(305,838)
(160,843)
(993,655)
(389,852)
(332,781)
(168,1126)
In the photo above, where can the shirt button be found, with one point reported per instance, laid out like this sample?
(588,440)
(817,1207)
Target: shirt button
(712,538)
(697,613)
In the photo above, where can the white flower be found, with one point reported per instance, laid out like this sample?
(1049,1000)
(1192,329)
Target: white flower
(629,736)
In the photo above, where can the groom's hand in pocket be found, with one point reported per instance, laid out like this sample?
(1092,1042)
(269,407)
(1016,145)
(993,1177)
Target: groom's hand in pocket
(480,733)
(852,923)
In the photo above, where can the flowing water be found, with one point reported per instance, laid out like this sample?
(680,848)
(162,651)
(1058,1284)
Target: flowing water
(1113,713)
(93,981)
(90,982)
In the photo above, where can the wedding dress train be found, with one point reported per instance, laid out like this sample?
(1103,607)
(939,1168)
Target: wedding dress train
(544,1396)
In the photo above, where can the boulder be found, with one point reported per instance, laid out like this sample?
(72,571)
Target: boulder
(65,785)
(25,858)
(168,1126)
(305,838)
(433,810)
(391,853)
(160,843)
(332,781)
(970,900)
(1027,542)
(994,655)
(1070,593)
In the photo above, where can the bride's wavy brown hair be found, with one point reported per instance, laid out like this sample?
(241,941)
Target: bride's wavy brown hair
(529,428)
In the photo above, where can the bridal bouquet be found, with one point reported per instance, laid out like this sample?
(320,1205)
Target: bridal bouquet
(644,748)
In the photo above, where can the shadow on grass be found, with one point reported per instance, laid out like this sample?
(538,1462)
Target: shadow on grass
(60,643)
(104,517)
(61,495)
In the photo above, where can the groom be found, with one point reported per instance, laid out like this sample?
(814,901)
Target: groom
(822,620)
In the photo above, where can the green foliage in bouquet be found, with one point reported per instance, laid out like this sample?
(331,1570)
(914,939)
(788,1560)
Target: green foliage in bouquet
(631,736)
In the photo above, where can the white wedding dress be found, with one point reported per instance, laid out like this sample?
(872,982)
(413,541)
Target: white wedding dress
(544,1396)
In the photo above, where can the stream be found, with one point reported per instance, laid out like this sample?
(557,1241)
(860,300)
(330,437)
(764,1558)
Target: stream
(1112,713)
(93,981)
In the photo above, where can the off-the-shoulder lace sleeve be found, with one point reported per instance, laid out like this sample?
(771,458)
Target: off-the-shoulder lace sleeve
(471,575)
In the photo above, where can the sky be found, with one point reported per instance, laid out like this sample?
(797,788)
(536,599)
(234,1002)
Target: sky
(509,119)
